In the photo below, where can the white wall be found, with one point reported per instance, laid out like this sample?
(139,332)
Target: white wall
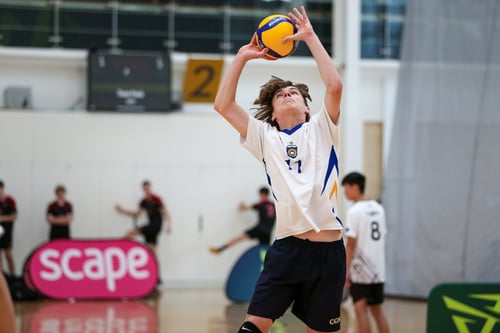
(192,157)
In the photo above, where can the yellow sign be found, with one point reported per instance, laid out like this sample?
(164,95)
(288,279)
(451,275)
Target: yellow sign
(202,80)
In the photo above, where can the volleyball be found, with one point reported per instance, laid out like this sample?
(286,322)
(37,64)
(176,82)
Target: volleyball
(270,34)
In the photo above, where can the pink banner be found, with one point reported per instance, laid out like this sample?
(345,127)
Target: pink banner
(92,269)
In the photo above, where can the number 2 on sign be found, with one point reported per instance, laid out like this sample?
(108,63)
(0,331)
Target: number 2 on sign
(201,80)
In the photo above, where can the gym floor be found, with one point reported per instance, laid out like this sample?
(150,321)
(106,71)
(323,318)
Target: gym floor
(184,311)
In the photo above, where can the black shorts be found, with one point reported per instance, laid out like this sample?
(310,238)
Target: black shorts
(311,275)
(6,239)
(263,236)
(373,293)
(150,233)
(59,232)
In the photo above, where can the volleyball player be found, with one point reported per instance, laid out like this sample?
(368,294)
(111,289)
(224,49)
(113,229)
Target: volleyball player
(8,214)
(305,266)
(60,215)
(156,211)
(262,231)
(365,231)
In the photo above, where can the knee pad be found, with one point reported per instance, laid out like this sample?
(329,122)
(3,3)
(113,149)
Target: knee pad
(248,327)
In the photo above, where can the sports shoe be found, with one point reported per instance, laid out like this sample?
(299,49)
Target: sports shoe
(214,250)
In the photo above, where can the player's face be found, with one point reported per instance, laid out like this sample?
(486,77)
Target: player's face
(287,100)
(349,191)
(288,96)
(147,189)
(60,194)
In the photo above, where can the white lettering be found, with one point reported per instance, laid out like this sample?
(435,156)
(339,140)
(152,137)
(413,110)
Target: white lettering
(65,259)
(130,93)
(112,274)
(45,257)
(137,258)
(93,268)
(110,264)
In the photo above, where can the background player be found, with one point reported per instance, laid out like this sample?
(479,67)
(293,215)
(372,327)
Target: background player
(60,215)
(365,254)
(8,214)
(262,231)
(156,211)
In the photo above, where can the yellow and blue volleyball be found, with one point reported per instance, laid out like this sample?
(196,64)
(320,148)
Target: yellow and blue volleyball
(270,34)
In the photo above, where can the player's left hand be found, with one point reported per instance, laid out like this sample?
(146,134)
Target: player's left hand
(304,26)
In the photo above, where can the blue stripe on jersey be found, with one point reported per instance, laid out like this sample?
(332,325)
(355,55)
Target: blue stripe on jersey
(342,224)
(290,131)
(269,179)
(333,161)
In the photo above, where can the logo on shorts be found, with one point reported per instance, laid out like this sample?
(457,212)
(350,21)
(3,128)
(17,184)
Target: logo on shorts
(291,150)
(334,321)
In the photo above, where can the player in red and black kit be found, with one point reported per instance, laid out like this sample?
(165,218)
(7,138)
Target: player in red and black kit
(8,214)
(156,211)
(60,215)
(262,231)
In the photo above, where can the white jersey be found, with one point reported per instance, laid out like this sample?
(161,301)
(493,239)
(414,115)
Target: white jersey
(365,221)
(302,169)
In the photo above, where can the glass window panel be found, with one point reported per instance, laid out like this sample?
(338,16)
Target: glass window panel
(198,33)
(143,24)
(77,32)
(381,28)
(143,30)
(25,26)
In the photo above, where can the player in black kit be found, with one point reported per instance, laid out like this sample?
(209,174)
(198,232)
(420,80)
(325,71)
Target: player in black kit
(262,231)
(8,214)
(156,211)
(60,215)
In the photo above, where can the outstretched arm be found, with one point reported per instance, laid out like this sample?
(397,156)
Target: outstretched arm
(225,100)
(8,218)
(326,67)
(168,221)
(131,213)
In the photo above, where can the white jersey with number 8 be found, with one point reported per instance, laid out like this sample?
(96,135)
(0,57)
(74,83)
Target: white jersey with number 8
(366,223)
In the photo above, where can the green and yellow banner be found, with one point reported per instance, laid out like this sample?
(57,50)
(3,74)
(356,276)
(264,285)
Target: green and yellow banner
(464,308)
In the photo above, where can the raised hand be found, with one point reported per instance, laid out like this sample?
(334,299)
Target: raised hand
(304,27)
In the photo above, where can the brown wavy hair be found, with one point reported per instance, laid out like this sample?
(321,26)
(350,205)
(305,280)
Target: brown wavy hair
(265,100)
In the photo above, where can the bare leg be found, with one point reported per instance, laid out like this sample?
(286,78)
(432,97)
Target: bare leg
(380,319)
(235,240)
(6,309)
(153,249)
(264,324)
(133,233)
(363,321)
(10,261)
